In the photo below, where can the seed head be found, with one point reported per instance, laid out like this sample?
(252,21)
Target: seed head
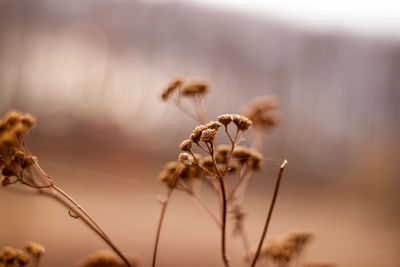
(225,119)
(248,155)
(35,249)
(186,145)
(195,88)
(8,255)
(22,258)
(171,88)
(208,163)
(208,135)
(262,112)
(242,122)
(222,153)
(196,134)
(213,125)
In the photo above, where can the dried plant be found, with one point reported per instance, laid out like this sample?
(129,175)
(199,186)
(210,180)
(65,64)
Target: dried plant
(18,166)
(225,168)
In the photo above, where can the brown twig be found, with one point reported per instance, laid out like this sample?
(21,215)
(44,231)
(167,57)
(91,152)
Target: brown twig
(160,222)
(271,208)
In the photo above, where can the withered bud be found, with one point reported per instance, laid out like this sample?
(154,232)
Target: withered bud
(242,122)
(186,145)
(225,119)
(208,135)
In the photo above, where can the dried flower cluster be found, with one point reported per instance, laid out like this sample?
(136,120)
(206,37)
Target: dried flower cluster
(262,112)
(15,257)
(193,92)
(191,89)
(225,168)
(14,161)
(17,165)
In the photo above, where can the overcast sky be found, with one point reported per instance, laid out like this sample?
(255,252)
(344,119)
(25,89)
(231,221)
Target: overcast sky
(365,16)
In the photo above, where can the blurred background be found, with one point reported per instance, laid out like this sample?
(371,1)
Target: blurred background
(93,71)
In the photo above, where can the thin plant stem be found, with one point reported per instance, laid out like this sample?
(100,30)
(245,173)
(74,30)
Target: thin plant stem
(160,222)
(224,206)
(163,210)
(271,209)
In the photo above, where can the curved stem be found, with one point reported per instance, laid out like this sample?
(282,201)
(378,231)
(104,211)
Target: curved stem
(89,224)
(271,209)
(91,221)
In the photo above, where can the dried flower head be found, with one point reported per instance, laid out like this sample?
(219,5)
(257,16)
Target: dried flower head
(35,249)
(297,241)
(168,174)
(195,88)
(255,160)
(196,134)
(13,127)
(262,112)
(241,122)
(171,88)
(248,155)
(222,152)
(208,135)
(277,252)
(213,125)
(106,259)
(208,163)
(22,258)
(225,119)
(186,145)
(12,160)
(8,256)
